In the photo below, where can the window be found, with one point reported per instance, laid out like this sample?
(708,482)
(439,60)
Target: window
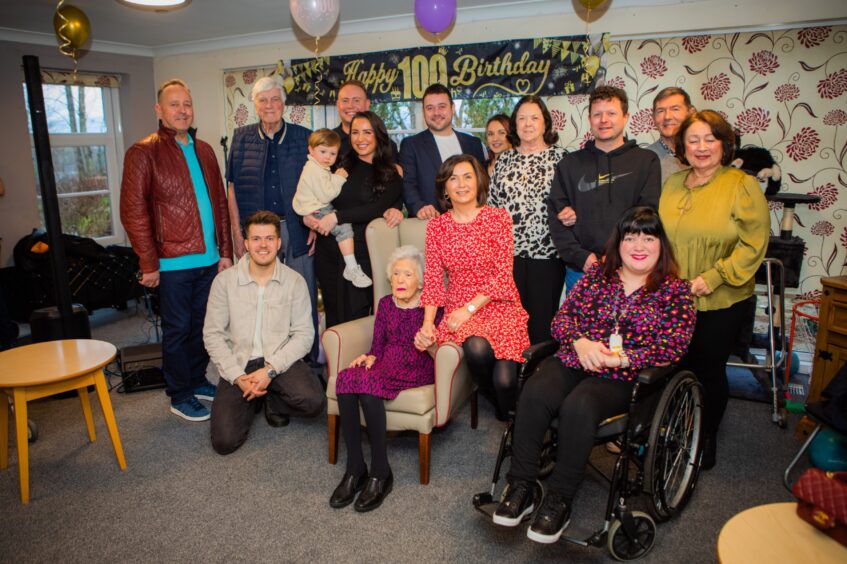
(403,119)
(83,121)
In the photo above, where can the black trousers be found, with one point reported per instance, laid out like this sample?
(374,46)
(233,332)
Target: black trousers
(296,391)
(540,283)
(715,335)
(342,301)
(581,401)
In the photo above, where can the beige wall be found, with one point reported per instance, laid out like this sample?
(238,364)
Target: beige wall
(203,70)
(18,209)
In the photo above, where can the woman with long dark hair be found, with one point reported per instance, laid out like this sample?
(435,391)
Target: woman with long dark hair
(373,185)
(497,140)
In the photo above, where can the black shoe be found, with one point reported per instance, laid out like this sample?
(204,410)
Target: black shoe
(552,519)
(346,491)
(275,419)
(517,504)
(374,493)
(710,448)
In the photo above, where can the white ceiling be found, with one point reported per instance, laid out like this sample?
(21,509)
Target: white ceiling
(211,20)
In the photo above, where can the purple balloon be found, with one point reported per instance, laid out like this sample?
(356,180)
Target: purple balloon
(435,15)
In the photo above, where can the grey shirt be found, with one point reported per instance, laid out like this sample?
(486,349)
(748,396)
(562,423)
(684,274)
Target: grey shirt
(667,160)
(287,330)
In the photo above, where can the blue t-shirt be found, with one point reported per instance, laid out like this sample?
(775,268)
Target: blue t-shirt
(207,218)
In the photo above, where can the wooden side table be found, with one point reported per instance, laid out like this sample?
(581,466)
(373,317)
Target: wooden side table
(774,533)
(45,369)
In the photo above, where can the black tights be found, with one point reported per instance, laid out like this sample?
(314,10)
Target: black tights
(374,410)
(503,379)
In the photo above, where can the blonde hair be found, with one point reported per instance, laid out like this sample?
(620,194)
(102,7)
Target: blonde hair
(324,136)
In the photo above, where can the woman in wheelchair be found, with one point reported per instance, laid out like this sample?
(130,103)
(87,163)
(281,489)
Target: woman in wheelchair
(628,313)
(392,365)
(473,244)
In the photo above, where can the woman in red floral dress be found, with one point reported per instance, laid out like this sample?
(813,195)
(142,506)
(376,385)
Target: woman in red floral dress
(472,243)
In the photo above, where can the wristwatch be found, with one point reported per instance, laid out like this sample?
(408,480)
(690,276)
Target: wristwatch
(471,307)
(271,372)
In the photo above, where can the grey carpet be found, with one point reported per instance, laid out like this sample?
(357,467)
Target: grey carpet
(268,502)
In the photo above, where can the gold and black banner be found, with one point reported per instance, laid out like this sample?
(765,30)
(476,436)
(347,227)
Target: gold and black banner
(550,66)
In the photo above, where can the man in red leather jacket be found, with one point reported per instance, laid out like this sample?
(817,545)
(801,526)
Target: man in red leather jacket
(173,207)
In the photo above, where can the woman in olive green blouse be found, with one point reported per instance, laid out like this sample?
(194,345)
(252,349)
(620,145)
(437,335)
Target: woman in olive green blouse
(718,222)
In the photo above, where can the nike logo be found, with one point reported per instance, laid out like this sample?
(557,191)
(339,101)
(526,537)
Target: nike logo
(584,186)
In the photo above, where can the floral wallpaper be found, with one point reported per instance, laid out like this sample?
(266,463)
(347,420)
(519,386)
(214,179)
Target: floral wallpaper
(241,111)
(783,90)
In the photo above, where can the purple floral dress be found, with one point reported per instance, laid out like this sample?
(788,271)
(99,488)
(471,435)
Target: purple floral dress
(656,327)
(399,365)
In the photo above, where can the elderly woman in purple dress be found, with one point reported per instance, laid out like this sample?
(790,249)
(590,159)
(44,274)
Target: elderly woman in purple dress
(392,365)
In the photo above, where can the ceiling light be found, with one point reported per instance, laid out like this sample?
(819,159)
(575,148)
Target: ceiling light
(156,5)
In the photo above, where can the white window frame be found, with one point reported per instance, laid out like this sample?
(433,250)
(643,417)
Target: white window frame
(112,140)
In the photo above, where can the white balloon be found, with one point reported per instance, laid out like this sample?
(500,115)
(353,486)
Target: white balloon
(315,17)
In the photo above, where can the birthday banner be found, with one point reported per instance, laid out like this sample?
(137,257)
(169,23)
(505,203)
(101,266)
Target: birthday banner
(553,66)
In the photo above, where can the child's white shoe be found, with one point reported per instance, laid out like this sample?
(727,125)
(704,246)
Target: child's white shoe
(357,276)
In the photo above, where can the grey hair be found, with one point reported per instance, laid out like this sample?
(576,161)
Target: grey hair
(410,252)
(268,83)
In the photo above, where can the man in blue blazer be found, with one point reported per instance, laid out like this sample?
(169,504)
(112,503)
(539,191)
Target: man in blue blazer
(421,155)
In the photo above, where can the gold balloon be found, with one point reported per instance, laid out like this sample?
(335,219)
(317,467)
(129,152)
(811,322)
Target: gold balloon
(73,30)
(592,4)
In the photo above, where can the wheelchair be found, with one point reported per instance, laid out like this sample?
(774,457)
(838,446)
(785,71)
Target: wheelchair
(660,450)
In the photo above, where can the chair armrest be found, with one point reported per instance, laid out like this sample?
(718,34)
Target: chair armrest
(344,342)
(656,373)
(453,383)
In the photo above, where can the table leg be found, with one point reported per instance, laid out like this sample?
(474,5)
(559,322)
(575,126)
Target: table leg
(4,431)
(86,412)
(21,432)
(109,416)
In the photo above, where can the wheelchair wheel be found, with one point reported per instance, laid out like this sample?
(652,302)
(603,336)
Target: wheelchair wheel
(673,452)
(631,546)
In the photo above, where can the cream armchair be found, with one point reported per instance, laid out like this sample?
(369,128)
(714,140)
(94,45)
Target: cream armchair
(417,409)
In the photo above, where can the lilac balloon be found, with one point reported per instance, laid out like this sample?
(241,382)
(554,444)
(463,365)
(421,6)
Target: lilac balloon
(315,17)
(435,15)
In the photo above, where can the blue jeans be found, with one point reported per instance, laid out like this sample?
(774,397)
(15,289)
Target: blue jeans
(572,277)
(182,305)
(304,265)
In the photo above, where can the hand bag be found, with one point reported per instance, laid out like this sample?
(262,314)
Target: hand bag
(822,501)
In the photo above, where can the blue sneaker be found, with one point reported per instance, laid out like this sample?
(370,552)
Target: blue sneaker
(191,410)
(205,392)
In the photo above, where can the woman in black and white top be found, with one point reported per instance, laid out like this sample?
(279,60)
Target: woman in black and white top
(521,185)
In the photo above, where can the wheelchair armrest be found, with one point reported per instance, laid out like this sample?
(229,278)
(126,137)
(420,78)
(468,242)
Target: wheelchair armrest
(534,355)
(655,374)
(540,350)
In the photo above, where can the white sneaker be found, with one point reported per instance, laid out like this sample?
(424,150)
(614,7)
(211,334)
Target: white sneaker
(357,276)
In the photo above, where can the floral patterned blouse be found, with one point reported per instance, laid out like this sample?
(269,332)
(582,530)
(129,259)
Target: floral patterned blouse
(656,327)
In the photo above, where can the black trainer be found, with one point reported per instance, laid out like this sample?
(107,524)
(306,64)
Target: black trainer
(552,519)
(516,505)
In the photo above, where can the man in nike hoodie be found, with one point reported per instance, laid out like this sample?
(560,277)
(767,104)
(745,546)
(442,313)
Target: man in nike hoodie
(592,187)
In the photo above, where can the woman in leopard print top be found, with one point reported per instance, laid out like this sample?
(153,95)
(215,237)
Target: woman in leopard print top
(521,185)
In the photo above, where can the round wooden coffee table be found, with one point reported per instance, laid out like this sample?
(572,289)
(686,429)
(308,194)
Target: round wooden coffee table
(774,533)
(45,369)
